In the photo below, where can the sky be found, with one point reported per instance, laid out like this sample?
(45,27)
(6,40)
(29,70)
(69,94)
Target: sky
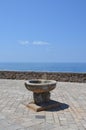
(43,31)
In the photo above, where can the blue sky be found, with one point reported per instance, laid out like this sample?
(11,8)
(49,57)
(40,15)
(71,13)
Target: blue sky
(42,30)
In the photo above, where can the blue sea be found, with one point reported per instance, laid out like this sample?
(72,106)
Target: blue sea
(44,67)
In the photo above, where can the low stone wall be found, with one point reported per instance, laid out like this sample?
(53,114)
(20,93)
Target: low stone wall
(63,77)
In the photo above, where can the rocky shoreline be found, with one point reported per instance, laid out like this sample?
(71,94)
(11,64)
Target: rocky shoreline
(62,77)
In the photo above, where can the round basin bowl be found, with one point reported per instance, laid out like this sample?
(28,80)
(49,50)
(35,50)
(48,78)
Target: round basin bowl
(40,85)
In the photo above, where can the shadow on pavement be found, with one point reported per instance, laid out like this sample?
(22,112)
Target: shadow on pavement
(59,107)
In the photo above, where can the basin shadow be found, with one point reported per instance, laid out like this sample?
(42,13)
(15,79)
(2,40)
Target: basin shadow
(60,106)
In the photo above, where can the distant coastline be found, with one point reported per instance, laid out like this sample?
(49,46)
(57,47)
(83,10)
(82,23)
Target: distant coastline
(58,76)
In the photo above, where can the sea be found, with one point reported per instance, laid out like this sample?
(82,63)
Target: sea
(44,67)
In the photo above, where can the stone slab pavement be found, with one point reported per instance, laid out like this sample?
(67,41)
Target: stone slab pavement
(14,115)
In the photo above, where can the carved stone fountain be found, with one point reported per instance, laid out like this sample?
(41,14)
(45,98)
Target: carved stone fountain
(41,94)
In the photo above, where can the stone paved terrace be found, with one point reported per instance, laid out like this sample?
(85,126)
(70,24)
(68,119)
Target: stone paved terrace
(14,115)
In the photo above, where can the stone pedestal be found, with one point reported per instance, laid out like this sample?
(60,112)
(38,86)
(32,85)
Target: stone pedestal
(42,102)
(40,98)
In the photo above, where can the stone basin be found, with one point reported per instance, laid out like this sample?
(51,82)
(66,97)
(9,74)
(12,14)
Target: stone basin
(40,85)
(41,93)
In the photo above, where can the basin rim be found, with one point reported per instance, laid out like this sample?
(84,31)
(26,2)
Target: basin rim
(43,82)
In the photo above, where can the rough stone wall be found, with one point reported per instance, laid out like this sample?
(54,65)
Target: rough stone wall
(65,77)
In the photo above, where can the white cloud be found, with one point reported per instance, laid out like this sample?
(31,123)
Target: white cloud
(23,42)
(40,43)
(26,42)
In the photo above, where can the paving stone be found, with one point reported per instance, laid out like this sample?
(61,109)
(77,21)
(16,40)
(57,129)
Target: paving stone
(4,123)
(14,115)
